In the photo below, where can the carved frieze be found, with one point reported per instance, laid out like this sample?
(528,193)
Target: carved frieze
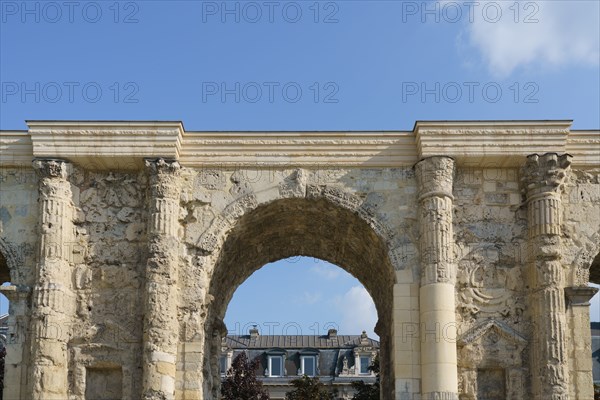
(486,289)
(294,185)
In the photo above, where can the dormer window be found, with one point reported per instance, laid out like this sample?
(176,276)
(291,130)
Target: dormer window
(275,365)
(364,354)
(309,362)
(365,362)
(308,365)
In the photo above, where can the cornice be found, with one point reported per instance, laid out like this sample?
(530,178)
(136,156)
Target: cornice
(125,144)
(584,146)
(493,144)
(106,144)
(16,149)
(300,149)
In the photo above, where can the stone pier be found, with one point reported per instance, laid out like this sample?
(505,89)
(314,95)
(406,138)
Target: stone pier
(439,377)
(161,329)
(53,302)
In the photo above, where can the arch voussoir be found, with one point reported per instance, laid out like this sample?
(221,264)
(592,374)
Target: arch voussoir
(296,187)
(322,221)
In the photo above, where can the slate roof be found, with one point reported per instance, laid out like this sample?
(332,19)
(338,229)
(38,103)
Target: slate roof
(297,341)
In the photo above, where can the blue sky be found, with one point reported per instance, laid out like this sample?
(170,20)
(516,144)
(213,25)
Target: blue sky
(301,295)
(300,65)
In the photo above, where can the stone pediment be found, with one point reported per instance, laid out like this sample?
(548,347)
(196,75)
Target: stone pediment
(492,344)
(488,327)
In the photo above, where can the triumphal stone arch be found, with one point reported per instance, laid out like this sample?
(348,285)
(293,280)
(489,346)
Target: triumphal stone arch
(124,242)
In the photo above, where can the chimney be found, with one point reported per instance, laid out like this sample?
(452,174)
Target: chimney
(254,332)
(364,338)
(332,333)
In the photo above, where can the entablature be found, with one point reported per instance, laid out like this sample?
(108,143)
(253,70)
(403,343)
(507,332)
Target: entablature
(118,145)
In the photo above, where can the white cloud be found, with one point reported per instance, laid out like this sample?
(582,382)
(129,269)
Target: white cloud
(309,298)
(326,270)
(357,312)
(566,33)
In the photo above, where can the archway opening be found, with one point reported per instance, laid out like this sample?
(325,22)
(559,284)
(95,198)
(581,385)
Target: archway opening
(301,295)
(318,316)
(307,227)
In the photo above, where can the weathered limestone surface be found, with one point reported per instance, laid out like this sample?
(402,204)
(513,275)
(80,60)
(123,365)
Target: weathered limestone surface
(490,232)
(122,267)
(160,306)
(544,177)
(53,301)
(18,218)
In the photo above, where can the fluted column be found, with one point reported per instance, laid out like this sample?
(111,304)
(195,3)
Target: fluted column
(53,300)
(544,177)
(160,306)
(439,374)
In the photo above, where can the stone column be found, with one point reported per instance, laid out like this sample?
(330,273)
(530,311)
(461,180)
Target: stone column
(578,312)
(439,373)
(544,177)
(53,300)
(161,329)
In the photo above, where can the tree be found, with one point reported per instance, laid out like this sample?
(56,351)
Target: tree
(365,391)
(309,389)
(241,382)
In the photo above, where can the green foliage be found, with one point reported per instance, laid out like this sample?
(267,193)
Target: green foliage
(596,392)
(309,389)
(365,391)
(241,382)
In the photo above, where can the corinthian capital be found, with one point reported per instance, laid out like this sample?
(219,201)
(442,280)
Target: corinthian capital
(435,176)
(162,166)
(164,177)
(545,173)
(51,168)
